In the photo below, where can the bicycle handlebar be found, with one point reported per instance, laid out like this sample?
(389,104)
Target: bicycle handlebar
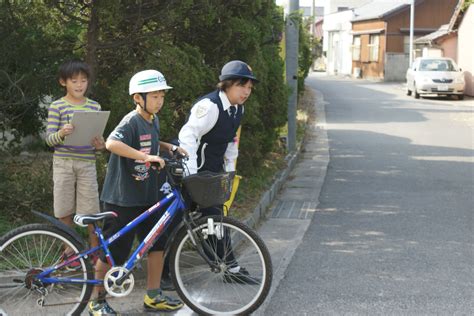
(175,165)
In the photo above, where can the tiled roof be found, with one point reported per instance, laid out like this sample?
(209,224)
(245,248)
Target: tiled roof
(378,9)
(428,39)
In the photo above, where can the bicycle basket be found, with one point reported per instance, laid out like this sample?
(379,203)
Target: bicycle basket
(209,188)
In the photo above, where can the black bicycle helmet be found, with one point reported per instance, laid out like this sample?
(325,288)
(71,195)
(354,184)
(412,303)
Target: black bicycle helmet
(236,69)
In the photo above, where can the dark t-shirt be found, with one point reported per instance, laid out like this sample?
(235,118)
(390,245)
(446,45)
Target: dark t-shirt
(130,182)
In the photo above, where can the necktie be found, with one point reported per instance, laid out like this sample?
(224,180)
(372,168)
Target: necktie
(232,110)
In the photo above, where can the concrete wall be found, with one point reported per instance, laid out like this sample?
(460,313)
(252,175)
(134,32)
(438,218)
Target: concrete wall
(449,47)
(431,52)
(466,49)
(396,65)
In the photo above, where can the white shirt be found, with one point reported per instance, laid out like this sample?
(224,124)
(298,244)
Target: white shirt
(203,118)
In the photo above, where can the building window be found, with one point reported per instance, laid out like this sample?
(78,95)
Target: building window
(339,9)
(356,48)
(374,48)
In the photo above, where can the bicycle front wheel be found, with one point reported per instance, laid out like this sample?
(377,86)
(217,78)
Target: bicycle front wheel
(243,276)
(29,250)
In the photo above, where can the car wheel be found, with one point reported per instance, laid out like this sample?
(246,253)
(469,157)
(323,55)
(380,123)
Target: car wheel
(460,96)
(408,91)
(415,92)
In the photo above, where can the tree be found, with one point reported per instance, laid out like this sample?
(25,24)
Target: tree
(33,41)
(189,41)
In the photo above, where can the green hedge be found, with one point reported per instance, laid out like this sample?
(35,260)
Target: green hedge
(188,41)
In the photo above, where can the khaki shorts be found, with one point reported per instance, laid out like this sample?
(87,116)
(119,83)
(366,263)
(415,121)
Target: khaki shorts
(75,187)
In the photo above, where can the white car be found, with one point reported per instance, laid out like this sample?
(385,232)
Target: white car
(435,75)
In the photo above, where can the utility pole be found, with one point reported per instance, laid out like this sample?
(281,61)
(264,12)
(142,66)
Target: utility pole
(313,33)
(412,20)
(291,38)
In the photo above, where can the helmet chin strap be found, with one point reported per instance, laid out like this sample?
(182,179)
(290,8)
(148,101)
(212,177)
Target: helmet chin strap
(143,94)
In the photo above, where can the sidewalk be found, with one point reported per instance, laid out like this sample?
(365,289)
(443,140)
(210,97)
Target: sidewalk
(282,216)
(291,213)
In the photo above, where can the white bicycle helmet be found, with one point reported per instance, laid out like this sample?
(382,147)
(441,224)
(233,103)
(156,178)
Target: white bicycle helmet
(147,81)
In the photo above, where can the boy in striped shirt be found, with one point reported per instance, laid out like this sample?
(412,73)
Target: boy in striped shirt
(74,170)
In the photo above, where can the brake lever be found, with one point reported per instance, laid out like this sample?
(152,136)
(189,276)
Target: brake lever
(180,156)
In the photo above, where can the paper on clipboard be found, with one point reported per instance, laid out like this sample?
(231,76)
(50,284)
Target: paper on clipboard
(87,125)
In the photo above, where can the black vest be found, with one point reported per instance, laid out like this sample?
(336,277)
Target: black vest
(218,137)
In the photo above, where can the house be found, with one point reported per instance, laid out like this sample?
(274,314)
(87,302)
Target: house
(338,29)
(380,31)
(441,43)
(318,29)
(465,49)
(337,17)
(454,40)
(332,6)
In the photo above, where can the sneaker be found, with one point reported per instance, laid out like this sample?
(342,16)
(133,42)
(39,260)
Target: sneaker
(161,303)
(73,266)
(102,308)
(240,277)
(166,284)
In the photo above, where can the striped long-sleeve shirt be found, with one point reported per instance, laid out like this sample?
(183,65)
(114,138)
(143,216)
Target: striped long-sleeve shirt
(60,113)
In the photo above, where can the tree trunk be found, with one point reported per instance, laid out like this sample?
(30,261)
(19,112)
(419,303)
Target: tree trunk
(92,42)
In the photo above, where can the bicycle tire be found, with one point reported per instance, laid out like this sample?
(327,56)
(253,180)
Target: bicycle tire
(27,250)
(209,293)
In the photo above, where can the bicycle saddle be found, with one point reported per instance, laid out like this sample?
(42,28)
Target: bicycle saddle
(84,220)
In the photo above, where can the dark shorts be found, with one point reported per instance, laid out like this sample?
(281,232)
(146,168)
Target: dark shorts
(121,247)
(213,210)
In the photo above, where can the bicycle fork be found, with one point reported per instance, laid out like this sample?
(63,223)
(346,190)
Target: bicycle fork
(203,247)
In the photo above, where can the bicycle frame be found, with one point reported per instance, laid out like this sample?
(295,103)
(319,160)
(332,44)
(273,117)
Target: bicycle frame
(177,205)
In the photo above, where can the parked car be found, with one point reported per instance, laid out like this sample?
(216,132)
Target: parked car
(435,75)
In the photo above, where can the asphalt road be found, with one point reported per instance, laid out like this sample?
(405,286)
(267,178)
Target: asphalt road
(393,230)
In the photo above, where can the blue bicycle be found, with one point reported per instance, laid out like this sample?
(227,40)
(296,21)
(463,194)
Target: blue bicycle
(36,279)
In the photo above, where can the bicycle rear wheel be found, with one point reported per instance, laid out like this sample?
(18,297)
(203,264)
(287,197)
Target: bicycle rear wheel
(210,292)
(29,250)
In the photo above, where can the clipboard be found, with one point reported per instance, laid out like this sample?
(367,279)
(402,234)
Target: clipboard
(87,125)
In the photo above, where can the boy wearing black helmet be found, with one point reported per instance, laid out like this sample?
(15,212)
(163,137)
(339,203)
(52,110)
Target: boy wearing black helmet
(209,136)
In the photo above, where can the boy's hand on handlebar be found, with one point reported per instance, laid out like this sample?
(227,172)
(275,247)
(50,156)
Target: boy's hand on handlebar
(158,159)
(177,152)
(182,152)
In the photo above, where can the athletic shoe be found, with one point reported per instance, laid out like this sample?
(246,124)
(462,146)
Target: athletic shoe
(161,303)
(240,277)
(102,308)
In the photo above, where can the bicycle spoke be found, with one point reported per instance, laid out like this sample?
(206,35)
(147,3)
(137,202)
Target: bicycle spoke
(223,292)
(28,251)
(20,257)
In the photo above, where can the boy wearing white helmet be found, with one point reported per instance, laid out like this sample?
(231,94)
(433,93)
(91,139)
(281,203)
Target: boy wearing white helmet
(131,187)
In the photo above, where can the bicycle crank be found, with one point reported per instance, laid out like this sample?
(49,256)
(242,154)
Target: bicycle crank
(111,285)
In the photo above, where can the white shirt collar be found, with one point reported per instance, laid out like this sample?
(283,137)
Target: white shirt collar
(225,101)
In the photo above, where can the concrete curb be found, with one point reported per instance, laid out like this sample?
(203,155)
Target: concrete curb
(269,196)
